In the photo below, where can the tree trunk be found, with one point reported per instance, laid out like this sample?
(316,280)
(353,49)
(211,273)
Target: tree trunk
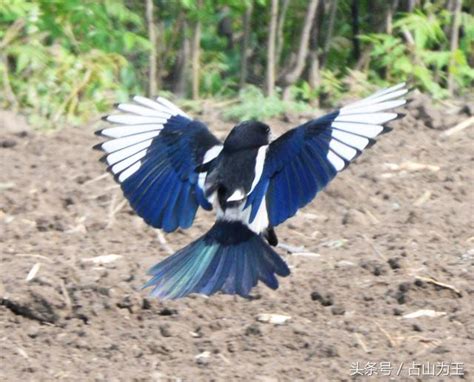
(389,17)
(245,45)
(281,23)
(161,53)
(327,42)
(152,87)
(314,78)
(453,43)
(355,29)
(411,4)
(196,52)
(270,85)
(388,29)
(292,75)
(182,64)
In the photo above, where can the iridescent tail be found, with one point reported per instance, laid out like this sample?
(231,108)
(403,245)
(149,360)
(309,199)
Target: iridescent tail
(229,258)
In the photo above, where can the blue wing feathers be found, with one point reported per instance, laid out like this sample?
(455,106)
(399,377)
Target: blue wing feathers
(185,205)
(164,190)
(307,184)
(310,155)
(170,218)
(301,171)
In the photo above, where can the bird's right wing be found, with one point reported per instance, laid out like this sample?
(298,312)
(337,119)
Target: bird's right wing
(304,160)
(154,152)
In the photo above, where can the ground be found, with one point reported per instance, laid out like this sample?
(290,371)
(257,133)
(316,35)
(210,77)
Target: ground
(390,237)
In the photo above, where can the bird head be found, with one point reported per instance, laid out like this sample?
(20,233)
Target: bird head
(247,135)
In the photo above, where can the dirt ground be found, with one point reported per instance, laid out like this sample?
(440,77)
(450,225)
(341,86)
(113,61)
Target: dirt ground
(391,238)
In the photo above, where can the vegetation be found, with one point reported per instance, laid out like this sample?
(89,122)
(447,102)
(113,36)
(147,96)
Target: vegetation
(64,61)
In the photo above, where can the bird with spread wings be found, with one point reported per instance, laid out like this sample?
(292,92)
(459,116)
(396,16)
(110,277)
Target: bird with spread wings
(168,165)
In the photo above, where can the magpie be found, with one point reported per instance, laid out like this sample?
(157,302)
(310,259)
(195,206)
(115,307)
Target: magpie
(168,165)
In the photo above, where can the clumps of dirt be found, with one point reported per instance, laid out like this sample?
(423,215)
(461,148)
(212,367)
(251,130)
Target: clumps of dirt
(408,292)
(390,237)
(42,306)
(7,143)
(394,263)
(50,223)
(325,298)
(437,116)
(375,267)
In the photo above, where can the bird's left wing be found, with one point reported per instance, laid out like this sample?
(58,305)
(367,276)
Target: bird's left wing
(153,152)
(304,160)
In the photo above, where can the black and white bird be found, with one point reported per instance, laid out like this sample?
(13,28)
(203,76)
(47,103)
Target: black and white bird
(168,165)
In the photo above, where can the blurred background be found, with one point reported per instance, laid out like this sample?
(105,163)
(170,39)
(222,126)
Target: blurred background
(65,61)
(382,261)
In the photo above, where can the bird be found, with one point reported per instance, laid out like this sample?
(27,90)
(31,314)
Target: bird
(169,164)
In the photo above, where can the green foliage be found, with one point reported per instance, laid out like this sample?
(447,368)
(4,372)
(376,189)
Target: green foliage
(253,104)
(427,61)
(330,89)
(65,61)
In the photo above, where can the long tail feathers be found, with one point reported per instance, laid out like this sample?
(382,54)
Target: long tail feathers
(229,258)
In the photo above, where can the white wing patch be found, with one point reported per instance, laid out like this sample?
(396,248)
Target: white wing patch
(336,161)
(124,164)
(260,223)
(210,154)
(376,118)
(351,139)
(124,131)
(358,123)
(130,140)
(367,130)
(132,119)
(122,154)
(342,150)
(136,127)
(236,196)
(259,163)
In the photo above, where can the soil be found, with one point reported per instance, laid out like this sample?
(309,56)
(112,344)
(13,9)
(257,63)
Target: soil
(390,236)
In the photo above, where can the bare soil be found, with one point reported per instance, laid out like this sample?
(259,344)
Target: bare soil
(391,236)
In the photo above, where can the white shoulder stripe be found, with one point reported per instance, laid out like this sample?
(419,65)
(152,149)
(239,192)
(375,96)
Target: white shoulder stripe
(259,163)
(260,223)
(212,153)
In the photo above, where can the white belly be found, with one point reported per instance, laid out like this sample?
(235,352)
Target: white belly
(238,213)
